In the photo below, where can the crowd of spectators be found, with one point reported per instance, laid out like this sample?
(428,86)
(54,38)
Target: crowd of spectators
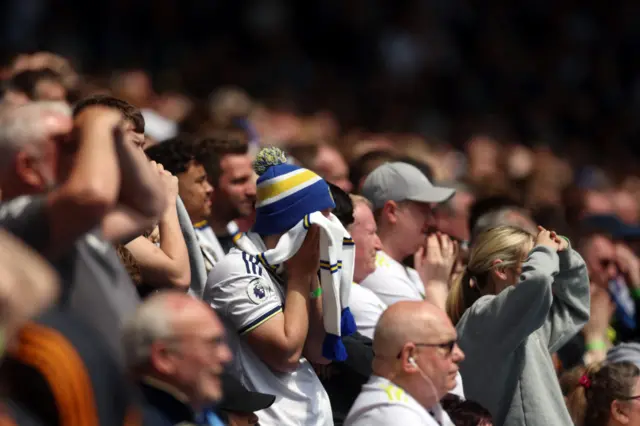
(417,221)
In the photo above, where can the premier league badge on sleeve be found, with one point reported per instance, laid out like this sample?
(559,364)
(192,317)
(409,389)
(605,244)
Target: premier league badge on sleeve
(258,291)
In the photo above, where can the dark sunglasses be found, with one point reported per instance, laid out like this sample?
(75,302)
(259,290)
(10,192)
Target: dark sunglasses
(447,347)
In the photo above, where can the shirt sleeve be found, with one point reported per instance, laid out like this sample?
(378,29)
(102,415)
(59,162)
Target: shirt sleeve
(245,300)
(390,288)
(26,218)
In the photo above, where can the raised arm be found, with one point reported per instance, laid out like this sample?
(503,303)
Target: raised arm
(280,341)
(167,265)
(507,319)
(434,263)
(142,189)
(571,298)
(92,188)
(142,199)
(317,333)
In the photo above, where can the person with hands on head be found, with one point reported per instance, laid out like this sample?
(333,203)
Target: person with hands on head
(520,299)
(72,186)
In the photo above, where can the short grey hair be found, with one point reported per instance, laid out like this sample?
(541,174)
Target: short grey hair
(150,323)
(499,217)
(20,127)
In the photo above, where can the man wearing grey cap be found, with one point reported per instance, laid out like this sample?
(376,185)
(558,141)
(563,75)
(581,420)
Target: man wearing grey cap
(403,203)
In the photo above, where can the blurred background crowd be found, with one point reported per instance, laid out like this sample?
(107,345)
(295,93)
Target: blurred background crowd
(527,109)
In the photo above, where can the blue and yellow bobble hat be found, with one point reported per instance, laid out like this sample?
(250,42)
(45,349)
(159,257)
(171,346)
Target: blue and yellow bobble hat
(286,193)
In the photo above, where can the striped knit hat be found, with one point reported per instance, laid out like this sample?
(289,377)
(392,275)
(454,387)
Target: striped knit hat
(286,193)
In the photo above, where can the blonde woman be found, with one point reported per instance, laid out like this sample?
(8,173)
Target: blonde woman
(520,299)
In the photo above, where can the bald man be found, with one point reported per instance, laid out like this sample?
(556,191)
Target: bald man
(176,349)
(415,365)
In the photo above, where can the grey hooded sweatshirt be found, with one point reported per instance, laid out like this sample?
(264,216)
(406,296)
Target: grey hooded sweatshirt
(507,339)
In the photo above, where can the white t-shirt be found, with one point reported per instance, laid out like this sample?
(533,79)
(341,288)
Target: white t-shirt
(245,296)
(382,403)
(393,282)
(366,308)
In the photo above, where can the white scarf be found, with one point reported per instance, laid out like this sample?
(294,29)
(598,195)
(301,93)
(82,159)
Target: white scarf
(337,254)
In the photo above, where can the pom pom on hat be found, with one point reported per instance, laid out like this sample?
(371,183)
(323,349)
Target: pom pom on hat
(286,193)
(268,157)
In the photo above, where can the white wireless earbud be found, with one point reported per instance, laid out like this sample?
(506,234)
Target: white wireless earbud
(413,362)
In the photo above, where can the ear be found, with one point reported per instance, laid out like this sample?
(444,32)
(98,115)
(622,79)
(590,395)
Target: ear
(498,270)
(390,210)
(162,358)
(408,352)
(26,170)
(619,412)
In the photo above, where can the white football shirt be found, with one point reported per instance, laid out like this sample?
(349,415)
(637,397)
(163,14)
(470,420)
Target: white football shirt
(393,282)
(366,308)
(245,296)
(382,403)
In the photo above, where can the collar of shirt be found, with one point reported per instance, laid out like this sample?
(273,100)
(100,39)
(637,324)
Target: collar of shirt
(166,387)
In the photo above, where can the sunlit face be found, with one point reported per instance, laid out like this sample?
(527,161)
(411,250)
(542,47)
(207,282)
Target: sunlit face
(627,412)
(195,191)
(199,355)
(363,230)
(333,168)
(437,362)
(413,221)
(235,195)
(510,275)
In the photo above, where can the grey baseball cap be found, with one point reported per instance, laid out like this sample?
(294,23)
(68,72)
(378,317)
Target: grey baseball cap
(399,182)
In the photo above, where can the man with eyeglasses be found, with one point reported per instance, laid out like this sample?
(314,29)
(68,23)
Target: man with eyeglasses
(415,365)
(176,350)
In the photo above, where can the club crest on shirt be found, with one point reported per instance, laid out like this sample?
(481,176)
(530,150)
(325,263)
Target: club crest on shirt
(258,291)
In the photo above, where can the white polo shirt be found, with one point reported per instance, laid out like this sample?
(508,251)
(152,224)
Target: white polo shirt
(245,296)
(393,282)
(382,403)
(366,308)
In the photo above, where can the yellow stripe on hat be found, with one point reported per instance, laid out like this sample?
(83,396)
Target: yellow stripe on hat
(288,183)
